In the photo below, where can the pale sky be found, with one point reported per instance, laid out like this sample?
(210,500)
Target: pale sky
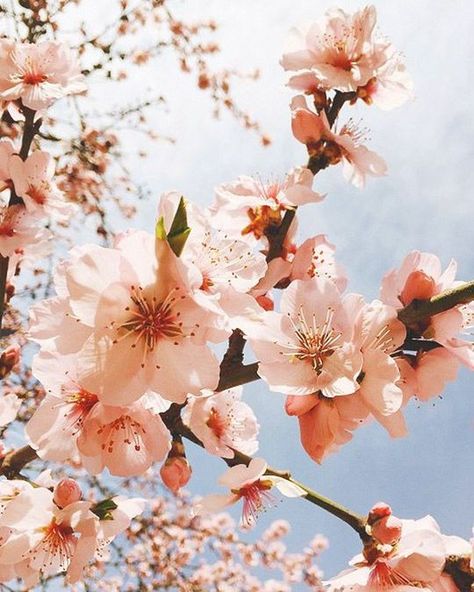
(424,203)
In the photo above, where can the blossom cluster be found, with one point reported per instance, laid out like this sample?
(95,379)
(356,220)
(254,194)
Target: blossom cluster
(408,553)
(44,532)
(127,348)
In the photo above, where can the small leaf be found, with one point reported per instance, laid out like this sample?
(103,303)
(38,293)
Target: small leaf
(179,231)
(104,509)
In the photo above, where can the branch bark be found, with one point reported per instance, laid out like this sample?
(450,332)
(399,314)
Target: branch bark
(420,310)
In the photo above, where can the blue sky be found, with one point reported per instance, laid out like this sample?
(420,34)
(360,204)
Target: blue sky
(424,203)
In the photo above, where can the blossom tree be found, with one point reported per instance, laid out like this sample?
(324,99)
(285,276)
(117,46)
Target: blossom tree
(134,348)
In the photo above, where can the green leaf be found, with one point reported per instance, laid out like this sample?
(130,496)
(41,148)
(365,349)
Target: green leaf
(179,231)
(104,509)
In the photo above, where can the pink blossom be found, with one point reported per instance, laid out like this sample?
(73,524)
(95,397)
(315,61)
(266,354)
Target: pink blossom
(308,347)
(420,277)
(344,52)
(126,440)
(223,423)
(252,485)
(33,181)
(57,422)
(175,473)
(251,207)
(383,526)
(9,358)
(333,147)
(416,560)
(38,74)
(19,229)
(66,492)
(326,423)
(42,539)
(143,330)
(221,269)
(381,334)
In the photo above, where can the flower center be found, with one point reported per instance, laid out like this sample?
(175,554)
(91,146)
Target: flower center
(315,342)
(261,219)
(124,430)
(38,193)
(256,498)
(78,402)
(151,320)
(34,78)
(217,423)
(56,547)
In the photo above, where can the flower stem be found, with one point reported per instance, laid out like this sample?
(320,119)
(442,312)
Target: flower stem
(420,310)
(355,521)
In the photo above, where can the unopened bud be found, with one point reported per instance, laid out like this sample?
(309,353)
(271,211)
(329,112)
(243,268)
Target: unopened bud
(418,286)
(9,359)
(176,471)
(66,492)
(385,528)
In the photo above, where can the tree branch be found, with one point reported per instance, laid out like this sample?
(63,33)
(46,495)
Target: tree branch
(420,310)
(354,520)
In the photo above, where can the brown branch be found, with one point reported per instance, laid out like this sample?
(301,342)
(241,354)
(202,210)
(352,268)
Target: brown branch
(15,460)
(354,520)
(420,310)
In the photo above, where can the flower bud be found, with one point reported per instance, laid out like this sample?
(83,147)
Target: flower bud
(9,359)
(175,473)
(66,492)
(418,286)
(385,528)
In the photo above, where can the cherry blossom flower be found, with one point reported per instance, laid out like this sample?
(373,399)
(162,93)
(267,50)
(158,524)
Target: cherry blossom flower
(415,560)
(252,485)
(251,207)
(175,473)
(33,181)
(9,358)
(345,145)
(143,330)
(344,52)
(126,440)
(420,277)
(38,73)
(42,539)
(223,423)
(308,347)
(380,334)
(223,269)
(326,423)
(19,229)
(57,422)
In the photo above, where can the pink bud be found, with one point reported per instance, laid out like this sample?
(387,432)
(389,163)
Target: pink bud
(9,359)
(387,530)
(67,492)
(384,527)
(175,473)
(378,511)
(418,286)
